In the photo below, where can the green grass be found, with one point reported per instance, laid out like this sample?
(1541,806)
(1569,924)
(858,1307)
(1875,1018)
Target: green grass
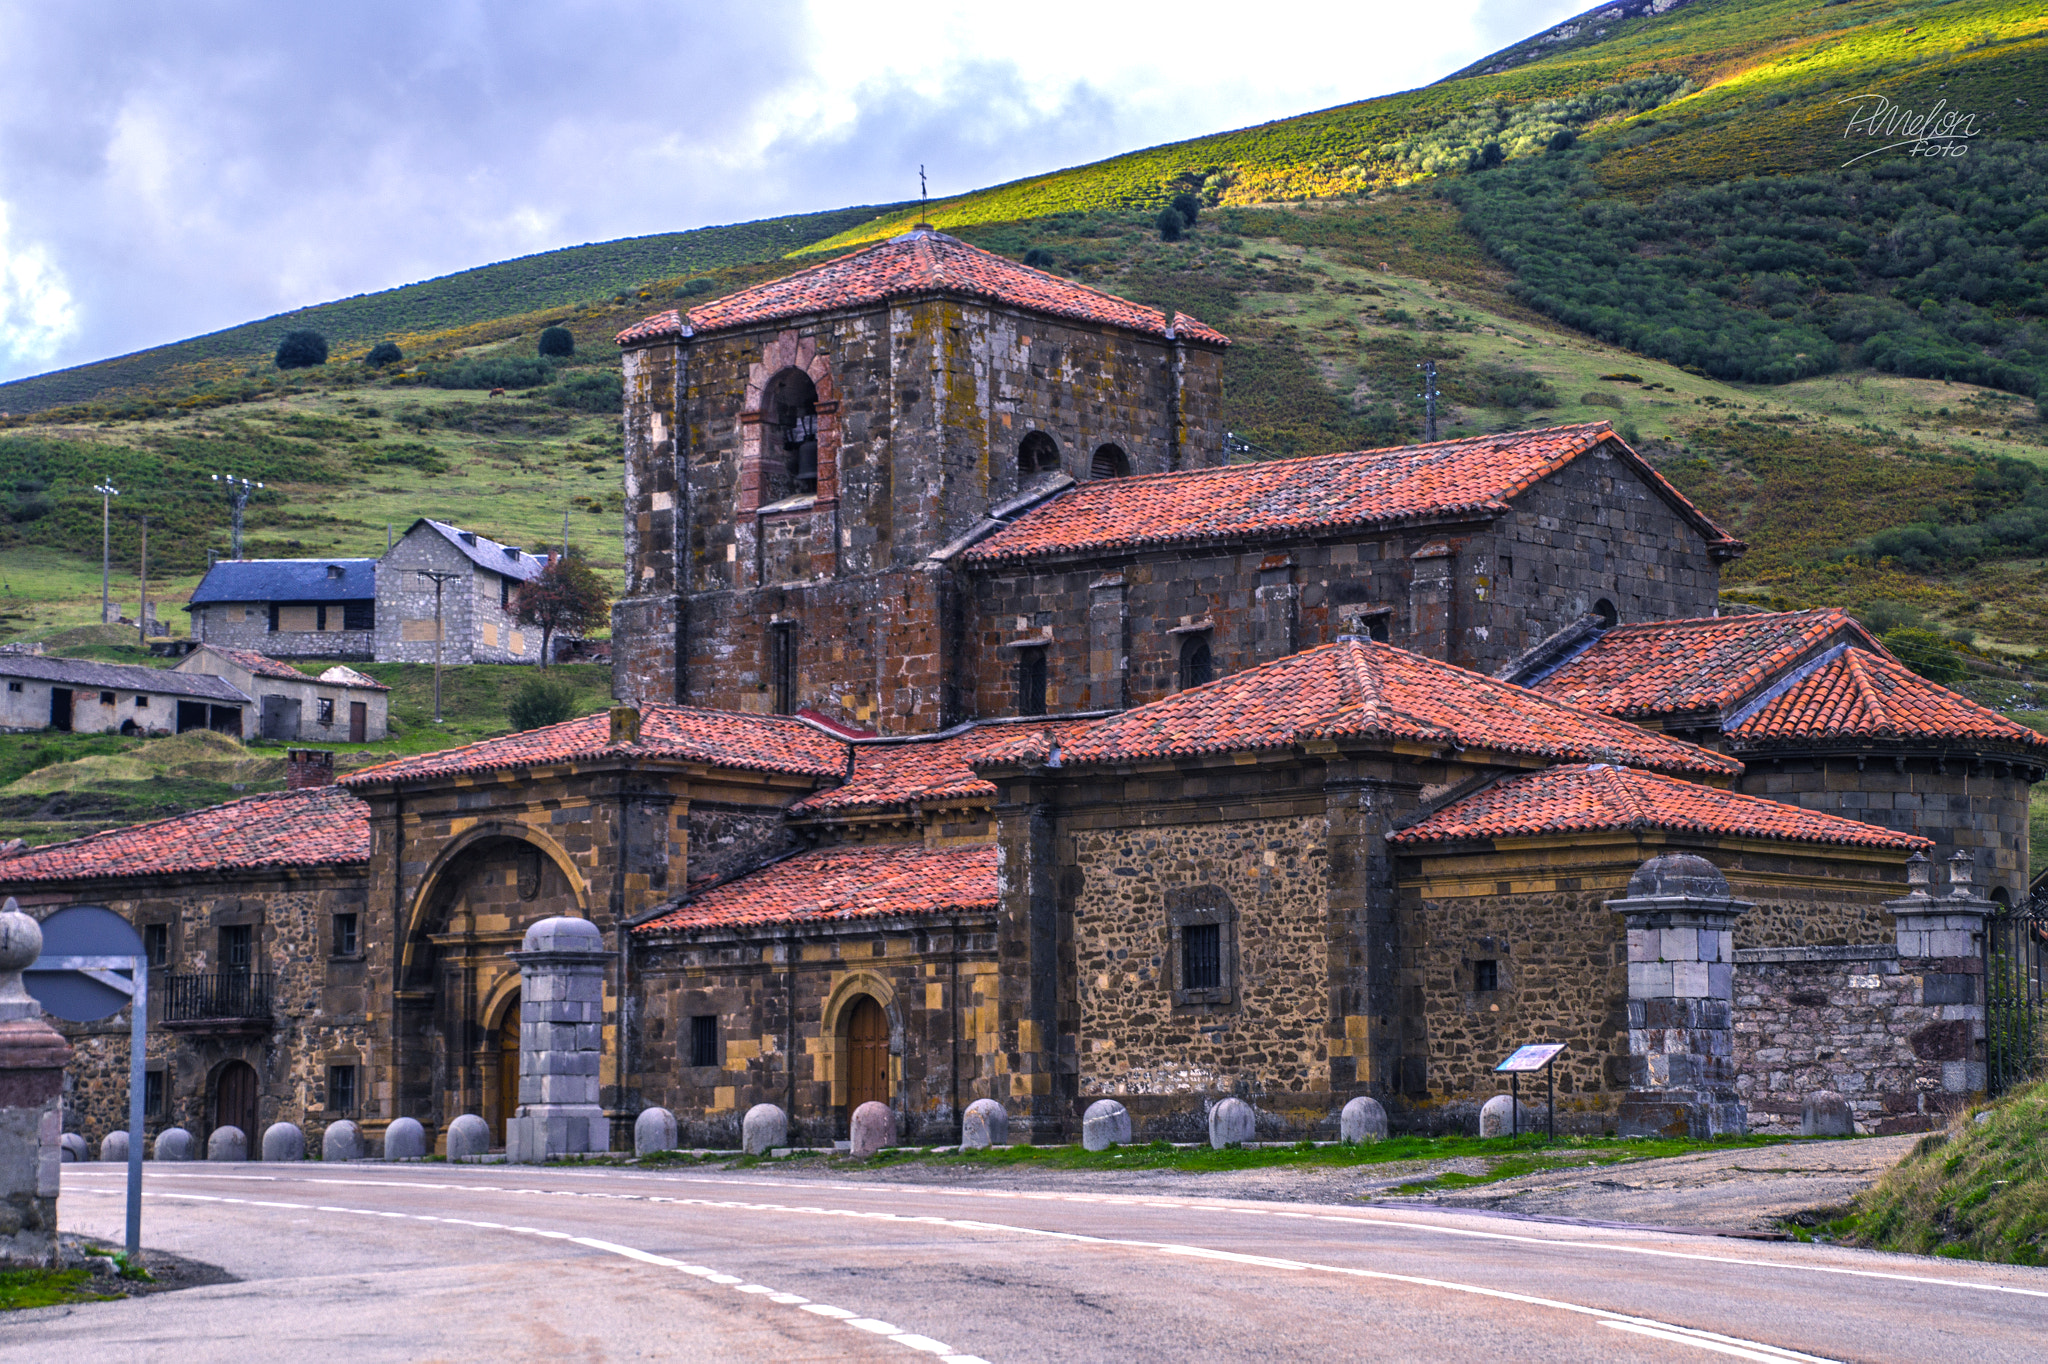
(1977,1192)
(22,1289)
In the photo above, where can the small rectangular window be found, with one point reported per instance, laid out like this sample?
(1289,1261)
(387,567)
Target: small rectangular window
(1031,678)
(782,674)
(273,618)
(345,935)
(156,944)
(320,618)
(14,686)
(1378,627)
(359,615)
(1486,975)
(1201,948)
(326,710)
(235,947)
(704,1040)
(504,594)
(153,1094)
(142,703)
(341,1089)
(106,698)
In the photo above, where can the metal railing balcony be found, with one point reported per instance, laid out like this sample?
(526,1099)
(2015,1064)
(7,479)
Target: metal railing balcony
(219,997)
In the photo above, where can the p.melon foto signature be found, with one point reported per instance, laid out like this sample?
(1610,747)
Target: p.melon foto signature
(1939,132)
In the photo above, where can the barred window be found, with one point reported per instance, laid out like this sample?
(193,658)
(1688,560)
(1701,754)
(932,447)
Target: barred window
(341,1089)
(346,943)
(1201,948)
(704,1040)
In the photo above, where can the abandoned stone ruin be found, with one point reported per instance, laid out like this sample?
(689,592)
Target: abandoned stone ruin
(991,753)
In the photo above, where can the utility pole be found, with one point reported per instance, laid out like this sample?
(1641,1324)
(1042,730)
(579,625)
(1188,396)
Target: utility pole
(142,611)
(238,494)
(1429,395)
(437,577)
(108,492)
(565,532)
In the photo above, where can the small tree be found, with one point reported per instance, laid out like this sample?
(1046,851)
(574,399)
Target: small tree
(566,597)
(1171,224)
(301,350)
(382,354)
(1188,205)
(557,341)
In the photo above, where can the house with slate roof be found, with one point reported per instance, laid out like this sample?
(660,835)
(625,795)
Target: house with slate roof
(81,696)
(288,608)
(340,705)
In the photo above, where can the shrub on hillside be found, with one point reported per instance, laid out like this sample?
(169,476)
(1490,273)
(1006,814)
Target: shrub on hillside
(557,341)
(588,390)
(301,350)
(1038,258)
(1188,205)
(693,287)
(492,371)
(540,701)
(1926,653)
(1170,224)
(1600,400)
(382,354)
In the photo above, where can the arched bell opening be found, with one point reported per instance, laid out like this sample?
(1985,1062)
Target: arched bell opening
(789,421)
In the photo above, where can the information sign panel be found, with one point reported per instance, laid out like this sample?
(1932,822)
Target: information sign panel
(1535,1056)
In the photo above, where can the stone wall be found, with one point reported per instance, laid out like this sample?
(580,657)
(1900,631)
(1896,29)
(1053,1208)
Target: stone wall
(1894,1037)
(476,626)
(246,625)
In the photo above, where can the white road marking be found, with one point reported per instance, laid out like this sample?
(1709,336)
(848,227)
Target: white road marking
(1766,1353)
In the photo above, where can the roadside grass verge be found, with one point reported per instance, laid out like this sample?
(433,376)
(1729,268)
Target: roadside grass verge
(22,1289)
(1978,1191)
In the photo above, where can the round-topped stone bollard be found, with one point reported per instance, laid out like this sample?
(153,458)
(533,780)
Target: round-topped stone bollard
(873,1127)
(986,1123)
(1827,1114)
(284,1141)
(1231,1123)
(405,1139)
(765,1128)
(114,1148)
(1362,1120)
(227,1143)
(1107,1123)
(1497,1117)
(654,1130)
(173,1143)
(341,1141)
(468,1137)
(71,1147)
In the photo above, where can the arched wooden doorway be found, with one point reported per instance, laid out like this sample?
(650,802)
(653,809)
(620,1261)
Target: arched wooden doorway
(508,1067)
(234,1101)
(867,1054)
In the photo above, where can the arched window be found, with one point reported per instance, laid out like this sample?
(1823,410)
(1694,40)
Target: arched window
(789,435)
(1110,462)
(1194,661)
(1609,617)
(1031,680)
(1038,454)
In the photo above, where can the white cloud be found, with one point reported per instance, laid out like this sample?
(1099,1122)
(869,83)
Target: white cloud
(36,312)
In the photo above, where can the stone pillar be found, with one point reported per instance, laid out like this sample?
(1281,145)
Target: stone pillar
(561,1038)
(1681,991)
(32,1059)
(1941,940)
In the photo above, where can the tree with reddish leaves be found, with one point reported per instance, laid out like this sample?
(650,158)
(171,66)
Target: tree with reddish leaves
(565,597)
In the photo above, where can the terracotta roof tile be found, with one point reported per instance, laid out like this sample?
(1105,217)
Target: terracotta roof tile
(1356,688)
(319,826)
(1856,694)
(1477,477)
(918,262)
(858,882)
(260,664)
(1584,799)
(1681,666)
(939,768)
(719,738)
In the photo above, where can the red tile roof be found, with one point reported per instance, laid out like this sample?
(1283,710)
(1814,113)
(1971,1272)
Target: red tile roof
(1474,477)
(836,884)
(919,262)
(1584,799)
(260,664)
(1857,695)
(718,738)
(928,769)
(1679,666)
(318,826)
(1356,688)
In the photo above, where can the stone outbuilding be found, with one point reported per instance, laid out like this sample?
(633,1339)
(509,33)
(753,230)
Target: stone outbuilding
(288,608)
(81,696)
(341,705)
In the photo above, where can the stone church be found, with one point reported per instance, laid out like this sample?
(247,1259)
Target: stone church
(984,733)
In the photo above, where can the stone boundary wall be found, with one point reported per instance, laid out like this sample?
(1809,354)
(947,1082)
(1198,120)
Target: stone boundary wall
(1860,1021)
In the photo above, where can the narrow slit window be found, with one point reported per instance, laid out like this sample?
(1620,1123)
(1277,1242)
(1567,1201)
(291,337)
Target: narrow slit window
(341,1089)
(346,942)
(1201,947)
(1485,975)
(156,944)
(1031,681)
(782,666)
(704,1040)
(1195,663)
(153,1094)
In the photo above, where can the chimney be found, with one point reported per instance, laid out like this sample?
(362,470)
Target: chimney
(306,767)
(625,725)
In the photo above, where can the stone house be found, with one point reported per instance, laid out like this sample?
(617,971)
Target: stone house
(475,604)
(288,608)
(78,695)
(341,705)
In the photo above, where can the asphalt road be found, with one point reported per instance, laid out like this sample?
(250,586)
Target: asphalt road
(371,1262)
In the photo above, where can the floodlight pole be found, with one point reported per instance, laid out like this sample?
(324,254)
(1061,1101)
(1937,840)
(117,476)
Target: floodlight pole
(437,577)
(238,495)
(1429,395)
(108,492)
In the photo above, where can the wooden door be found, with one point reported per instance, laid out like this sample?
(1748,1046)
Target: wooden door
(867,1037)
(234,1102)
(508,1067)
(358,722)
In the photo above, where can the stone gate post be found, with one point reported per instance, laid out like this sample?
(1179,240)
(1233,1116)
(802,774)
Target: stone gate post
(562,963)
(32,1059)
(1681,992)
(1941,940)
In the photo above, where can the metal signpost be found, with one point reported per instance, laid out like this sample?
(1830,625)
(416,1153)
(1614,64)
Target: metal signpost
(1536,1056)
(76,979)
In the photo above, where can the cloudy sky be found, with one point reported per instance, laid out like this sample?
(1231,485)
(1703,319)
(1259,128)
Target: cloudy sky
(168,169)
